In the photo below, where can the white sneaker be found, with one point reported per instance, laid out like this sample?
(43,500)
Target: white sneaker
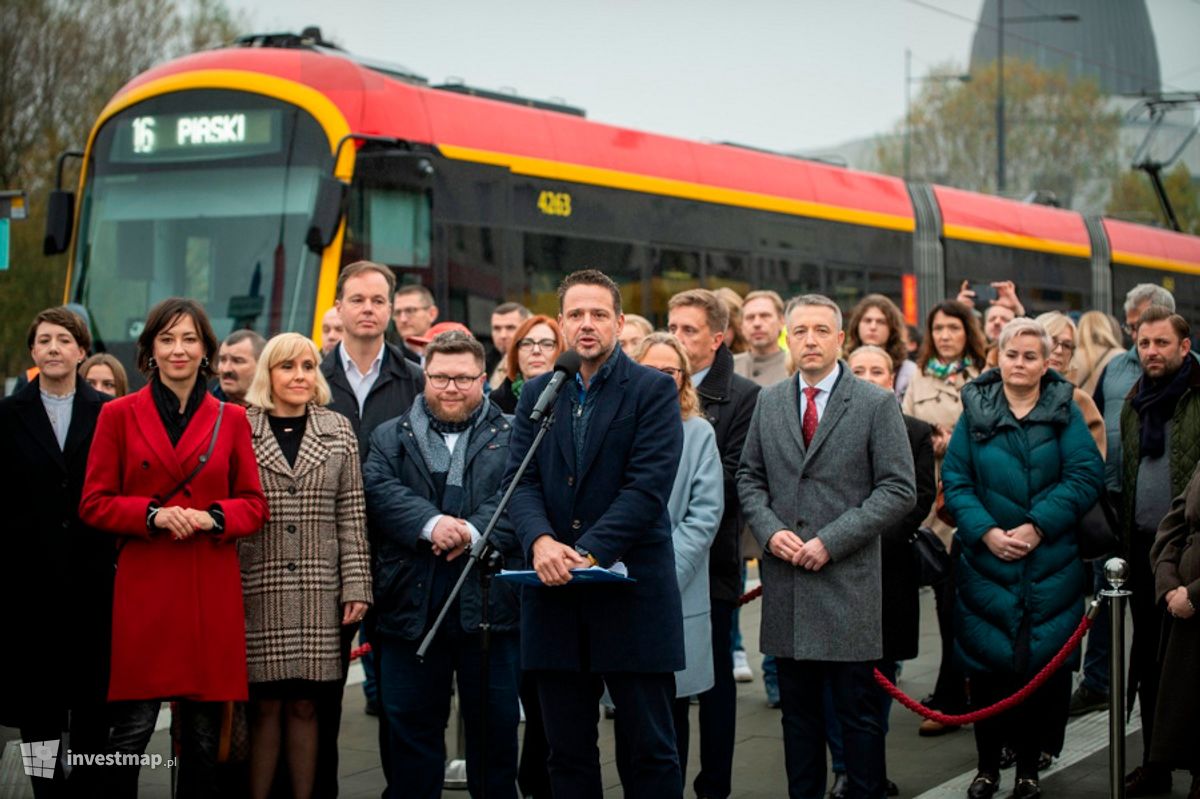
(455,778)
(741,668)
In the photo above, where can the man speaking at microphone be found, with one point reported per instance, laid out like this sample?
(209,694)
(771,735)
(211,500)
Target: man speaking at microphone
(596,493)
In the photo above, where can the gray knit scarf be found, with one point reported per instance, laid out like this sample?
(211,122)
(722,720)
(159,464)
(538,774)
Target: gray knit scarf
(438,457)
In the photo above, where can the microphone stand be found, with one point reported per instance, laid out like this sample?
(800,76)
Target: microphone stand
(484,554)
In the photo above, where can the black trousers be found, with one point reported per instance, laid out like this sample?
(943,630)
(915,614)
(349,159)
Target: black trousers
(1036,725)
(132,727)
(45,725)
(1144,666)
(718,712)
(414,698)
(856,700)
(950,692)
(533,775)
(89,734)
(645,734)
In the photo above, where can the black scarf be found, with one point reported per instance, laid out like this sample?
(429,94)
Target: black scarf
(168,406)
(1155,403)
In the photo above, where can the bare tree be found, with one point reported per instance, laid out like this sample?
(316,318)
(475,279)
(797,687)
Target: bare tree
(61,61)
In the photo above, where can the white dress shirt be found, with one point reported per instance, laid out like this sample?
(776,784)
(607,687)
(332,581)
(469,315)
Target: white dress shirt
(361,384)
(59,410)
(823,390)
(427,531)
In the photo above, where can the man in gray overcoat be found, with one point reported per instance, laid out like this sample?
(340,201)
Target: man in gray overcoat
(825,470)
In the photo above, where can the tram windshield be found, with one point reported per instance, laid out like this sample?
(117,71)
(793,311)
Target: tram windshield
(204,194)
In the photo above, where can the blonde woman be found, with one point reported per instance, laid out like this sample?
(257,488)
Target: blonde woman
(734,339)
(696,504)
(1063,338)
(1097,345)
(308,573)
(636,328)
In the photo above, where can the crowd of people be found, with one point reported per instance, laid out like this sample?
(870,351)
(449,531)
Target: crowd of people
(217,538)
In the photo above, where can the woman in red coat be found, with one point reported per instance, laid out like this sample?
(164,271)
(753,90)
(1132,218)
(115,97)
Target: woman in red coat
(178,622)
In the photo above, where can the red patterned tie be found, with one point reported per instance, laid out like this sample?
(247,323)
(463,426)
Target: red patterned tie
(809,424)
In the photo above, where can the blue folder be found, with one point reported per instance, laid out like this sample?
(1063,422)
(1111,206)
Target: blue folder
(592,574)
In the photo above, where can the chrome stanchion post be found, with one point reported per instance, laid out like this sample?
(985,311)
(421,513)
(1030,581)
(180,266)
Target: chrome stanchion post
(1116,572)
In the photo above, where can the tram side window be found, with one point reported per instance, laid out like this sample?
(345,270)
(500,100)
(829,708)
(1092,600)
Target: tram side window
(674,271)
(546,260)
(389,226)
(476,280)
(847,285)
(842,261)
(731,270)
(1045,281)
(789,274)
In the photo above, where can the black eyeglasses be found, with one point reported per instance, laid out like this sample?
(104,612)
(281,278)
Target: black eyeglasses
(542,344)
(1067,346)
(461,382)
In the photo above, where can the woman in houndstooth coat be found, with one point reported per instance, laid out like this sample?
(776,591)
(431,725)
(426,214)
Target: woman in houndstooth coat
(309,572)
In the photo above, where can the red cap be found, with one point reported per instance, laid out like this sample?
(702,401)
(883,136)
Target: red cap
(440,327)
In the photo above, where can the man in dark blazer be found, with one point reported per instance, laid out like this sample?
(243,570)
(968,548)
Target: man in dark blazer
(698,319)
(371,382)
(363,363)
(824,472)
(596,493)
(57,573)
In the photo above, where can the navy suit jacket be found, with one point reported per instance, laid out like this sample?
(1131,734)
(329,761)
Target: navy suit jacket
(614,505)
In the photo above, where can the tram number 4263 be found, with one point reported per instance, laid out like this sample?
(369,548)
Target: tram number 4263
(554,203)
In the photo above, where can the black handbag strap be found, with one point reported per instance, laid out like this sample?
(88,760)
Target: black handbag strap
(212,444)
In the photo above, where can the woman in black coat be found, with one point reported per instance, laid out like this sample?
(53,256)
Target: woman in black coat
(900,580)
(55,572)
(1175,557)
(535,347)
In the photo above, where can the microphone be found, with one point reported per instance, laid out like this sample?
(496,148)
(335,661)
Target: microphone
(565,369)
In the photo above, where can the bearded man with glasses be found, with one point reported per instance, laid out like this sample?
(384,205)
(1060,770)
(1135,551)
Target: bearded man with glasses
(432,480)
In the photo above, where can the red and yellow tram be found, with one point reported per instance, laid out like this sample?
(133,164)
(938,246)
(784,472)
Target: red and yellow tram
(246,177)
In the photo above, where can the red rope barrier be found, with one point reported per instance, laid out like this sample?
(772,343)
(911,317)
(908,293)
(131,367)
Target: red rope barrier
(985,713)
(956,720)
(1004,704)
(751,595)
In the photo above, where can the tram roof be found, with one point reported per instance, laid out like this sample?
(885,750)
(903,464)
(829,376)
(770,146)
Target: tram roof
(1138,245)
(559,146)
(564,147)
(985,219)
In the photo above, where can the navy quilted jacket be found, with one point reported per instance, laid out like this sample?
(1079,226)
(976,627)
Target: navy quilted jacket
(1013,617)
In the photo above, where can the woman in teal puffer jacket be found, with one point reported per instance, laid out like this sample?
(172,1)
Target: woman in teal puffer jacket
(1021,469)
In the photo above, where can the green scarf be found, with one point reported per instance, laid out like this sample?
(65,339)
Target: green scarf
(944,371)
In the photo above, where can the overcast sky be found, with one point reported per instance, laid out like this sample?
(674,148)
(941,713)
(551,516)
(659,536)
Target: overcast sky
(782,74)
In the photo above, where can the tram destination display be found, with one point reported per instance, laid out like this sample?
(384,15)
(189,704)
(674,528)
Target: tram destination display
(211,134)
